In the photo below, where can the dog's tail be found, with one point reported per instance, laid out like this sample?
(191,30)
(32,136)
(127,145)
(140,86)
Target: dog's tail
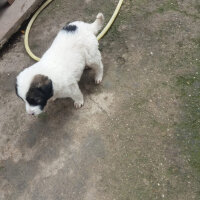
(98,23)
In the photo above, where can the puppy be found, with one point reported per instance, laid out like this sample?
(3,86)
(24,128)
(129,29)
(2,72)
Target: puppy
(59,70)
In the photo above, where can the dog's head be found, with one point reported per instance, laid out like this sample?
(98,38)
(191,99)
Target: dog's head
(37,95)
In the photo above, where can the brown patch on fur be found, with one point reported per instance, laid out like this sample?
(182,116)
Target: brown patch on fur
(39,80)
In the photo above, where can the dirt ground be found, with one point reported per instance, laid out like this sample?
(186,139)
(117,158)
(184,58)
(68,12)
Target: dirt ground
(137,136)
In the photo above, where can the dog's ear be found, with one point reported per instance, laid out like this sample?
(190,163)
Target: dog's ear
(44,84)
(16,90)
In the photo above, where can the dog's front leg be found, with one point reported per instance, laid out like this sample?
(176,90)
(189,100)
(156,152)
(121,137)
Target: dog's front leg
(76,95)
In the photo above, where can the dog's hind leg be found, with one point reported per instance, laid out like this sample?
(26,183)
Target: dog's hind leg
(94,62)
(98,68)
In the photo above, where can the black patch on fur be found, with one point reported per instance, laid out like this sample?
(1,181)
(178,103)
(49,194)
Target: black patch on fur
(41,89)
(70,28)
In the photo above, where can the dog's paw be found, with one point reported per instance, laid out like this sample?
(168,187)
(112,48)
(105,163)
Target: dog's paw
(98,80)
(78,105)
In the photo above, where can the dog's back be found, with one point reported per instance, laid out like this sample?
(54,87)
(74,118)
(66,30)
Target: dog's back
(71,46)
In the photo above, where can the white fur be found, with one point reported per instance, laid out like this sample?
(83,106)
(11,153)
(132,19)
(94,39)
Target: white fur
(64,63)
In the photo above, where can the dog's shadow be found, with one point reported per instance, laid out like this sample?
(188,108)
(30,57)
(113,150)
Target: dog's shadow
(58,113)
(87,84)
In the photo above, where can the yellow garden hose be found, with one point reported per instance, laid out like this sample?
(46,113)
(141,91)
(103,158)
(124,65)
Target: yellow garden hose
(104,31)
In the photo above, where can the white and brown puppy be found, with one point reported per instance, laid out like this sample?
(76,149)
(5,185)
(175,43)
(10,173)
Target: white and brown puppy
(59,70)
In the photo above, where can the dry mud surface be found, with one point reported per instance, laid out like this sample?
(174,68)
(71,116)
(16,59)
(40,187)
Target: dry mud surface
(137,136)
